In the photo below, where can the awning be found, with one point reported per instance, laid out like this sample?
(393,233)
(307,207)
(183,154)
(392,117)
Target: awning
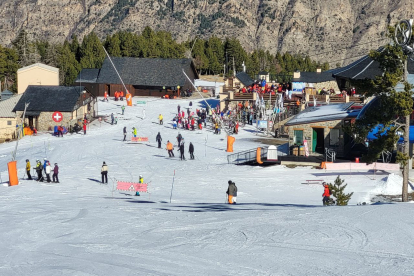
(32,113)
(380,128)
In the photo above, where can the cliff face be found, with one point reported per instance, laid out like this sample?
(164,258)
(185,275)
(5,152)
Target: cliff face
(336,31)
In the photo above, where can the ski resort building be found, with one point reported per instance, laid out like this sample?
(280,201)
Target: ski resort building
(36,74)
(154,77)
(8,118)
(72,103)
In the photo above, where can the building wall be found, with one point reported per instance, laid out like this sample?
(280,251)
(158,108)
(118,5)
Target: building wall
(7,131)
(326,126)
(36,76)
(327,85)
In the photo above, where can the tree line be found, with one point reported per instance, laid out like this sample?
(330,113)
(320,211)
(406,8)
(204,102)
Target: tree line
(211,56)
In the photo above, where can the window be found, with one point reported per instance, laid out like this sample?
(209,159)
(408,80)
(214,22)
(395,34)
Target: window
(9,123)
(298,137)
(334,137)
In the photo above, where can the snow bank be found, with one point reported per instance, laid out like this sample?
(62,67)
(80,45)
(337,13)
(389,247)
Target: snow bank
(391,186)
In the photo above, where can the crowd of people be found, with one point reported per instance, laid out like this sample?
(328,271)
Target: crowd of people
(43,170)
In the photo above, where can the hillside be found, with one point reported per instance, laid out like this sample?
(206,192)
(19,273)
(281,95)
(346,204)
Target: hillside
(308,26)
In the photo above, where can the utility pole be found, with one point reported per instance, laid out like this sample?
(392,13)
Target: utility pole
(406,147)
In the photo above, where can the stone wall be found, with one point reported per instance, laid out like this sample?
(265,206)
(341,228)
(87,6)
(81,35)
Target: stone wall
(327,85)
(327,126)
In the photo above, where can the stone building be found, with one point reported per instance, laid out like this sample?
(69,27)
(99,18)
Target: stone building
(36,74)
(321,127)
(318,80)
(73,102)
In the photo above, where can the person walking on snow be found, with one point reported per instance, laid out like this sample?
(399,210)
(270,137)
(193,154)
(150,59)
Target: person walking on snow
(123,109)
(28,168)
(55,174)
(44,164)
(158,139)
(170,149)
(125,133)
(181,150)
(134,131)
(232,192)
(326,194)
(161,119)
(178,108)
(140,181)
(191,150)
(84,129)
(179,138)
(112,118)
(39,170)
(48,170)
(104,172)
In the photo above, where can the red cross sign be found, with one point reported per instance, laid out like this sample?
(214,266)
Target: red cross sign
(57,116)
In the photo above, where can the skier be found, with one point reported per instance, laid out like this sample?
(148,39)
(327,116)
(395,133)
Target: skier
(178,108)
(170,149)
(160,118)
(181,150)
(104,172)
(179,137)
(48,170)
(125,133)
(55,174)
(39,170)
(134,131)
(112,118)
(29,177)
(84,129)
(326,194)
(232,192)
(158,139)
(191,150)
(44,164)
(174,123)
(140,181)
(123,109)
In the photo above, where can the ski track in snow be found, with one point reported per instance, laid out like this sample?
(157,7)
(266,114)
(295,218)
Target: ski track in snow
(83,227)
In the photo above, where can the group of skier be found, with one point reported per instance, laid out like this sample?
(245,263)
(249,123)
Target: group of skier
(45,168)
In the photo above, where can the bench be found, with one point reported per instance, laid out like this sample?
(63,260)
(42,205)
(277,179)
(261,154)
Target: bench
(139,139)
(313,181)
(131,186)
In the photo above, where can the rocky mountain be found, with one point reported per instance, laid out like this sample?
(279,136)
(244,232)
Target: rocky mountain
(337,31)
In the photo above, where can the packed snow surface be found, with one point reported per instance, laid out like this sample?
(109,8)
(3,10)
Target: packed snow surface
(278,227)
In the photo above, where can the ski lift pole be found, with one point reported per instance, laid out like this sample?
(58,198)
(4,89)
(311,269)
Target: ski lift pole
(113,65)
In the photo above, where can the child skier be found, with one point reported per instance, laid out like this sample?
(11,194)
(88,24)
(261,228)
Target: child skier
(161,119)
(140,181)
(326,194)
(29,177)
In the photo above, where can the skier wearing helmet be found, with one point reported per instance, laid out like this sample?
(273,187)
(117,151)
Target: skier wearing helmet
(29,177)
(140,181)
(326,194)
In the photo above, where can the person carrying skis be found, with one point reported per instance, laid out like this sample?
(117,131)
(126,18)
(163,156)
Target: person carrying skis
(125,133)
(48,170)
(326,194)
(232,192)
(55,174)
(158,139)
(104,172)
(161,119)
(123,109)
(181,150)
(28,168)
(134,131)
(39,170)
(179,138)
(140,181)
(191,150)
(170,149)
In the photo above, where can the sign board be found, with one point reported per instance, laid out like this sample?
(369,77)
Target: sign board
(57,116)
(139,139)
(261,124)
(141,102)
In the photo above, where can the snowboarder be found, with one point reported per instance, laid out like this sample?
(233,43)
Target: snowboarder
(232,192)
(134,131)
(170,149)
(55,174)
(191,150)
(161,119)
(125,133)
(123,109)
(179,138)
(326,194)
(28,168)
(140,181)
(112,118)
(104,172)
(48,170)
(158,139)
(181,150)
(39,170)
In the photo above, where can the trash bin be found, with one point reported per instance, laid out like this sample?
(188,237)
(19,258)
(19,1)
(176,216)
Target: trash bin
(356,159)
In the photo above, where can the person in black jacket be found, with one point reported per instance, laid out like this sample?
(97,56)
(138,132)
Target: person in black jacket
(191,150)
(179,137)
(181,149)
(125,133)
(158,139)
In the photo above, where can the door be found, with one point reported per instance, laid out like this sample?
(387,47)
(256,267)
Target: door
(314,140)
(31,121)
(108,89)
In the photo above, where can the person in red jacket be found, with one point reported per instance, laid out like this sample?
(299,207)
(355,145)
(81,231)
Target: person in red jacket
(84,129)
(326,194)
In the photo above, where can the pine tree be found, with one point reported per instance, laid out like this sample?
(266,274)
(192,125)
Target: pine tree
(337,190)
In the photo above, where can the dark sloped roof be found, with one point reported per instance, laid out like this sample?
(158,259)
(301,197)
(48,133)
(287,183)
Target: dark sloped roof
(50,98)
(88,75)
(314,77)
(245,79)
(146,71)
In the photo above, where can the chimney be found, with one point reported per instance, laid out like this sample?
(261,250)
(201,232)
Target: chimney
(319,70)
(296,75)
